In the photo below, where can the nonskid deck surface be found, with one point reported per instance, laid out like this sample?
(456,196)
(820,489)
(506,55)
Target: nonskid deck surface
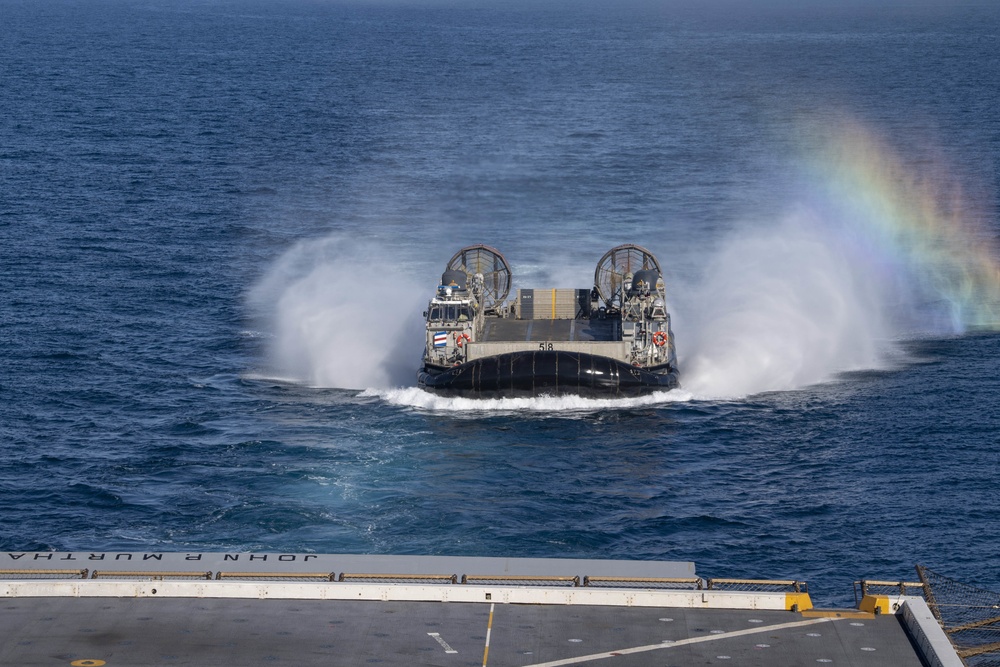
(89,632)
(108,609)
(511,330)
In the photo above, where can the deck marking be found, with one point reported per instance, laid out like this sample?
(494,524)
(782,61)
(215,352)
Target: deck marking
(489,629)
(679,642)
(443,643)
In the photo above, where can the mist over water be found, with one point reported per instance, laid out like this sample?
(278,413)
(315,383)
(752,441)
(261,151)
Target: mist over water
(776,309)
(777,305)
(877,249)
(341,315)
(915,218)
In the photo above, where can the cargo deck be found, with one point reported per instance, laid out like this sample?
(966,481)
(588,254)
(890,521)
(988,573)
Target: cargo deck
(511,330)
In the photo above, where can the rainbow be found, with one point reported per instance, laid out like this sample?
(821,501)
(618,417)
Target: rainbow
(915,223)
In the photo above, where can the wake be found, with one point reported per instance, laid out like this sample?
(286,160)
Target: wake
(418,398)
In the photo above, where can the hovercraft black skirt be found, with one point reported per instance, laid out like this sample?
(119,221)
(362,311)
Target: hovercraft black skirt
(547,372)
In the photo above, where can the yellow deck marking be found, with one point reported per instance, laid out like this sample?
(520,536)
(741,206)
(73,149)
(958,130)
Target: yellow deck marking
(680,642)
(489,629)
(838,613)
(87,663)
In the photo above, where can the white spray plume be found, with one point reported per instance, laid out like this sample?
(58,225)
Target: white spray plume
(342,315)
(779,309)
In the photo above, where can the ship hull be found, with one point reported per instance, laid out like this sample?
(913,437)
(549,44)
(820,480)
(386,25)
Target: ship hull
(537,373)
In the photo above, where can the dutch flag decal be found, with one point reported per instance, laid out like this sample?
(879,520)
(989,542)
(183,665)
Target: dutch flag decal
(440,338)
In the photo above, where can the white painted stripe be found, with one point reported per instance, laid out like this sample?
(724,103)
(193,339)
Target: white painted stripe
(680,642)
(443,643)
(489,630)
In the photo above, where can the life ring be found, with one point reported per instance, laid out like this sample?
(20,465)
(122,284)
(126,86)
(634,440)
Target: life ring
(660,338)
(459,337)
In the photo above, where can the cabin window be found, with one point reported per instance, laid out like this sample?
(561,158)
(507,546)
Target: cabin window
(450,313)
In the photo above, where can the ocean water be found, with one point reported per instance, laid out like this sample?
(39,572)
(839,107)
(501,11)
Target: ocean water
(221,220)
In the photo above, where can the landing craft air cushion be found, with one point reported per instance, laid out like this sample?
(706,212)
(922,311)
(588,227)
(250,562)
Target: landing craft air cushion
(613,339)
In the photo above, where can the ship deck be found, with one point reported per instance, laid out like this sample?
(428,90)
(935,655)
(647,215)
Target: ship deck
(281,609)
(497,330)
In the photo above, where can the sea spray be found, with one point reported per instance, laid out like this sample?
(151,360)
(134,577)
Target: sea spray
(879,248)
(343,314)
(563,405)
(875,250)
(778,307)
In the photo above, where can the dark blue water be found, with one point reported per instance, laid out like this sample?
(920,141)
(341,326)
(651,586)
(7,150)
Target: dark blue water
(219,222)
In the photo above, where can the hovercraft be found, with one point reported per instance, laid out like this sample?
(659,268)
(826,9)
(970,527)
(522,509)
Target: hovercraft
(611,340)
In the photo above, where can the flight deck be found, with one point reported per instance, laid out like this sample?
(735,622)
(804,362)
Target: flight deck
(108,609)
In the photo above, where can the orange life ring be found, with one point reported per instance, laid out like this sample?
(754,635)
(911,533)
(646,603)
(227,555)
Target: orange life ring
(660,338)
(459,337)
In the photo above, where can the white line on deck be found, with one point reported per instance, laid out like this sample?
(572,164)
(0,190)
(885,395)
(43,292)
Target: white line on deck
(443,643)
(489,629)
(680,642)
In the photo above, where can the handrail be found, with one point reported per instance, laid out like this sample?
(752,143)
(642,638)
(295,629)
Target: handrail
(451,578)
(797,586)
(523,578)
(694,582)
(142,574)
(28,571)
(324,576)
